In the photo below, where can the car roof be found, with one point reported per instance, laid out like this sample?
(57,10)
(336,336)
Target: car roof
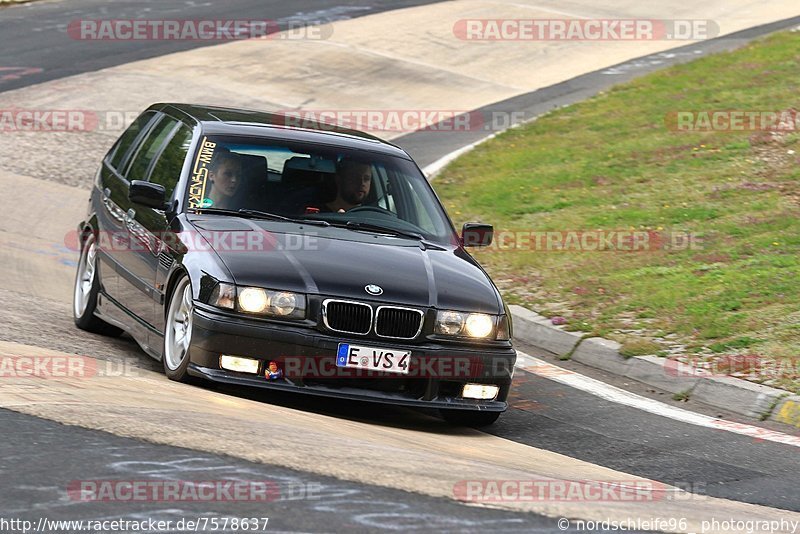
(215,120)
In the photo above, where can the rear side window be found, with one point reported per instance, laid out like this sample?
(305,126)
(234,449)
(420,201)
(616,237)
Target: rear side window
(123,146)
(167,170)
(150,148)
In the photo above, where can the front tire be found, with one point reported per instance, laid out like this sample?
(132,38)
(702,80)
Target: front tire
(86,290)
(178,332)
(470,418)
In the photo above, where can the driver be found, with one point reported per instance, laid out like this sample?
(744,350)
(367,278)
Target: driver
(353,182)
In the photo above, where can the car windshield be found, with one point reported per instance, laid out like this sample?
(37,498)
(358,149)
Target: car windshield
(360,190)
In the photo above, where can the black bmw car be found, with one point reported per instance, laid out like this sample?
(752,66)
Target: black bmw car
(238,249)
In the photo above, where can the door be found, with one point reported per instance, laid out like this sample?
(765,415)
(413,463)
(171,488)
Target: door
(137,273)
(149,226)
(111,204)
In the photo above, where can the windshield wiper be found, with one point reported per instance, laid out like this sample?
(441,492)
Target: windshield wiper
(377,228)
(261,215)
(276,217)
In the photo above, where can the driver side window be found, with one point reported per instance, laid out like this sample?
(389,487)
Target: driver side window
(167,170)
(140,165)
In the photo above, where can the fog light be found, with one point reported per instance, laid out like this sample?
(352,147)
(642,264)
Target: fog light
(238,364)
(480,391)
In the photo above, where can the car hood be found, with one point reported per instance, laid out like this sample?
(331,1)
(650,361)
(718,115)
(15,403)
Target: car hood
(338,262)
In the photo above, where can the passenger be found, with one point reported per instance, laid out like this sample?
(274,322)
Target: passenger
(353,182)
(225,174)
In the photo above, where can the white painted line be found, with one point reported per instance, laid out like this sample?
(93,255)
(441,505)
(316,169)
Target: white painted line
(620,396)
(430,171)
(434,168)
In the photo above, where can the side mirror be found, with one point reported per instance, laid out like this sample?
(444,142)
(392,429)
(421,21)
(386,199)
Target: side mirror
(477,235)
(148,194)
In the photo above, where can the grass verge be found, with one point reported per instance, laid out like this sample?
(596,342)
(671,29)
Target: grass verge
(613,163)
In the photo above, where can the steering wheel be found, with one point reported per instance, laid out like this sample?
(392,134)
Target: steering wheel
(375,209)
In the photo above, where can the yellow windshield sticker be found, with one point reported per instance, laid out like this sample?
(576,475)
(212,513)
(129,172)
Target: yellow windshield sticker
(197,187)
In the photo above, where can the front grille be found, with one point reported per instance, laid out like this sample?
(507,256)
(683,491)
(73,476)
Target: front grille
(401,323)
(347,317)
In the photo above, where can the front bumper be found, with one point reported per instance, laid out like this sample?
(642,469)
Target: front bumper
(307,357)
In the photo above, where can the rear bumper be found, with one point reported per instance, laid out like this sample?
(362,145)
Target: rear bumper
(307,359)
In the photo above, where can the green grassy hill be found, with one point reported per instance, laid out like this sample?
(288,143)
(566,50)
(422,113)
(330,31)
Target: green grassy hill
(617,163)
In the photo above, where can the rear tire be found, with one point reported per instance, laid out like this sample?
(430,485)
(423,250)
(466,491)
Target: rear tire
(86,290)
(178,332)
(470,418)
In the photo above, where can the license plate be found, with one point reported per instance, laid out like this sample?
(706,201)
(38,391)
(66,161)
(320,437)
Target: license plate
(372,358)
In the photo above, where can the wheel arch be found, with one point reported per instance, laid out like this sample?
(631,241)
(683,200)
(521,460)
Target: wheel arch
(85,228)
(175,276)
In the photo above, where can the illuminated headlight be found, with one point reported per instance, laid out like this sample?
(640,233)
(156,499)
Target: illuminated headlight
(480,391)
(253,300)
(238,364)
(275,303)
(479,325)
(475,325)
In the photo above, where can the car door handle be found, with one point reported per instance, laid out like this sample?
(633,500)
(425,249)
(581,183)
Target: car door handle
(107,198)
(130,218)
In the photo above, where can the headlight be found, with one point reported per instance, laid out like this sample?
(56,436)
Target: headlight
(449,323)
(474,325)
(253,300)
(223,296)
(479,325)
(256,300)
(282,304)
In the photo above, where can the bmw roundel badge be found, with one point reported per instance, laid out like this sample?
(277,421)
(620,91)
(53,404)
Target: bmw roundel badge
(372,289)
